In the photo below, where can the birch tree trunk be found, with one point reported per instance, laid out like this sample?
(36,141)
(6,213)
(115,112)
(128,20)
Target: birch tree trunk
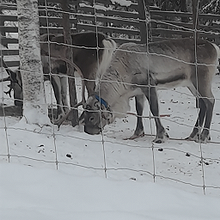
(35,110)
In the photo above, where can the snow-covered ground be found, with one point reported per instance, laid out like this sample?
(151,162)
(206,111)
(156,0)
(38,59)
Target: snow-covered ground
(68,174)
(34,193)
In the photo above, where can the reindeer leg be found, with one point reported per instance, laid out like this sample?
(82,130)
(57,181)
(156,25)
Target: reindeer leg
(151,94)
(205,136)
(139,131)
(195,135)
(81,117)
(64,87)
(68,112)
(90,86)
(206,104)
(83,93)
(55,81)
(205,113)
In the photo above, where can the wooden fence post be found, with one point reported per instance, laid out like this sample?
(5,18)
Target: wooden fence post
(69,55)
(195,15)
(1,31)
(142,7)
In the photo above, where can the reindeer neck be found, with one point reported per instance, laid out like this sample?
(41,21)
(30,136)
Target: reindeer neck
(107,90)
(113,89)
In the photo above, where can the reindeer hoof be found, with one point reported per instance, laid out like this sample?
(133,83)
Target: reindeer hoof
(134,136)
(160,140)
(196,138)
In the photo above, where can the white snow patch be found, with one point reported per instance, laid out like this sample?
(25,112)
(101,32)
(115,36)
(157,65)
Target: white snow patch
(122,2)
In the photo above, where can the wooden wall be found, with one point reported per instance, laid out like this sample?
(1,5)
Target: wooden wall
(124,23)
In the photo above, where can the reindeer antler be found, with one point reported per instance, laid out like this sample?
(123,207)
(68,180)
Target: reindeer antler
(5,79)
(11,78)
(9,91)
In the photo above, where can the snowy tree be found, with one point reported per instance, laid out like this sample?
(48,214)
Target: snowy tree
(34,102)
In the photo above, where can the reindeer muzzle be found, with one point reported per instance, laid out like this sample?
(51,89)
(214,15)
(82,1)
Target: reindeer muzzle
(92,130)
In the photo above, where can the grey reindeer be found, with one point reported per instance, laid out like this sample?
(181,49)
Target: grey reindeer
(133,72)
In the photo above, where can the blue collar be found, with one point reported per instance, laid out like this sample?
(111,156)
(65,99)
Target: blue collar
(102,101)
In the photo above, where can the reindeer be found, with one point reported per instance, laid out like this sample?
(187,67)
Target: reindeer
(138,70)
(52,69)
(15,83)
(91,51)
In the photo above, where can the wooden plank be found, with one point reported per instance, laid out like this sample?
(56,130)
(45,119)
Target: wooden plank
(214,28)
(51,1)
(42,18)
(87,9)
(209,16)
(4,6)
(9,52)
(12,63)
(54,30)
(116,18)
(133,5)
(110,19)
(56,20)
(5,40)
(8,17)
(91,18)
(210,36)
(124,40)
(158,38)
(90,27)
(87,27)
(176,24)
(123,14)
(9,29)
(172,24)
(108,29)
(156,13)
(169,32)
(169,14)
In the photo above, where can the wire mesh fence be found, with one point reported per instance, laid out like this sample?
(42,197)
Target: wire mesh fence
(178,162)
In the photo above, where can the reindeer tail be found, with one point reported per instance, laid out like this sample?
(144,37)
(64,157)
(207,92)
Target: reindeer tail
(218,57)
(217,50)
(109,47)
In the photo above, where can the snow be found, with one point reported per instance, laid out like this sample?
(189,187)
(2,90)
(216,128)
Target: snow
(67,174)
(122,2)
(32,193)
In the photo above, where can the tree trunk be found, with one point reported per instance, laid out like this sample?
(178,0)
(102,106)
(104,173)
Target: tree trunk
(70,71)
(34,102)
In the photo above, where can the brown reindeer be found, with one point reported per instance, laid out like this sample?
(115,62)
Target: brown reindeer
(91,52)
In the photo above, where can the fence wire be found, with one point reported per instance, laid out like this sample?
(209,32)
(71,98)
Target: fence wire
(69,147)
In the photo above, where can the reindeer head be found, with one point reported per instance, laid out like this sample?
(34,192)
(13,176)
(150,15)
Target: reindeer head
(96,115)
